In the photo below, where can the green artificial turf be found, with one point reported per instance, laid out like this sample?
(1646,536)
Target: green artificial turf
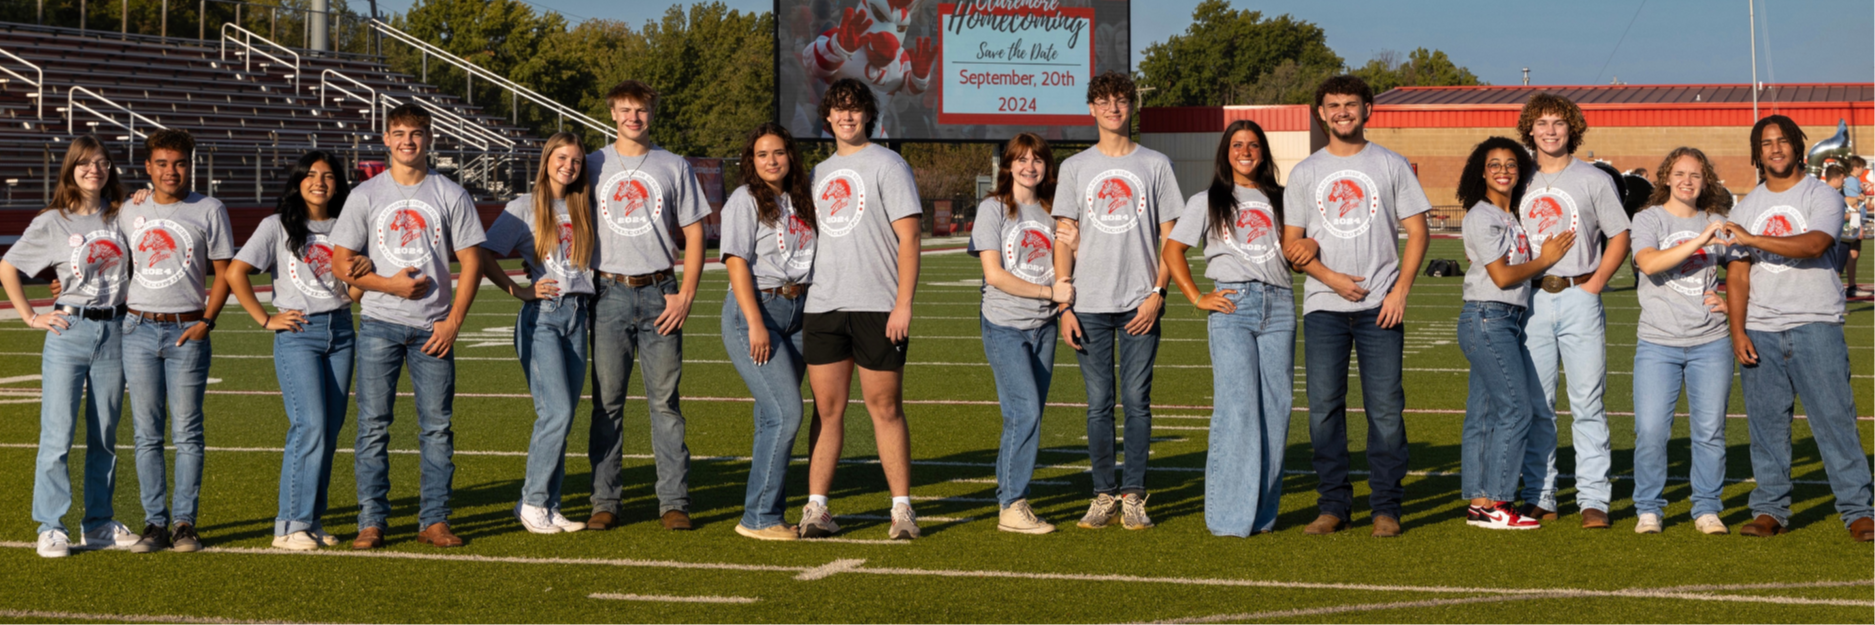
(1441,570)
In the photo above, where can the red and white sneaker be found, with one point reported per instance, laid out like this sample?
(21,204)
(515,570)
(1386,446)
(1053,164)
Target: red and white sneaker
(1499,516)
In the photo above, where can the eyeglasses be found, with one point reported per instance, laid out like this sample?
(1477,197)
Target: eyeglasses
(1113,103)
(1497,167)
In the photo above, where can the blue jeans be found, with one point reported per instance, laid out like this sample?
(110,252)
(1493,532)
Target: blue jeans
(384,348)
(550,337)
(1328,337)
(1253,354)
(1568,327)
(624,325)
(1100,332)
(314,366)
(776,387)
(162,374)
(1811,361)
(1023,362)
(1659,371)
(88,356)
(1504,399)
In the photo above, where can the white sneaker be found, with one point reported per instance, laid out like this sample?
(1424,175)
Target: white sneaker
(1101,512)
(319,534)
(817,521)
(904,523)
(558,520)
(1021,519)
(1133,512)
(1710,524)
(54,544)
(535,519)
(297,541)
(111,535)
(1649,524)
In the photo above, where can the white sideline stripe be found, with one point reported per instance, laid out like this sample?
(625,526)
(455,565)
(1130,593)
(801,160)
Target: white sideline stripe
(986,480)
(886,517)
(855,541)
(1359,607)
(121,618)
(830,568)
(671,598)
(955,500)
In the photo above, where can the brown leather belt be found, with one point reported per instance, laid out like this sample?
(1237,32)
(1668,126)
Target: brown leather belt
(1558,284)
(638,281)
(187,317)
(791,290)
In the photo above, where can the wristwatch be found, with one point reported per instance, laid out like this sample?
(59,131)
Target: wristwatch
(1159,291)
(208,322)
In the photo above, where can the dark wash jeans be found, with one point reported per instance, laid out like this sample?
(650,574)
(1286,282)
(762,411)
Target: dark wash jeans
(1329,337)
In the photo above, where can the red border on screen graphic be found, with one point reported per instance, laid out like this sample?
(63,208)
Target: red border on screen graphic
(1005,119)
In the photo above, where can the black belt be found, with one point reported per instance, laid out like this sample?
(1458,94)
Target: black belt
(94,314)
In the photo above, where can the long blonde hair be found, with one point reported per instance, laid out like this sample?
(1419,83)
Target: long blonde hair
(67,196)
(578,206)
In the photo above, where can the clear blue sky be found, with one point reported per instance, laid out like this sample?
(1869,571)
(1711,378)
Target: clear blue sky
(1562,42)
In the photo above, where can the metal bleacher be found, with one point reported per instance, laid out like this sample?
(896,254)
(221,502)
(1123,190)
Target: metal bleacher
(253,106)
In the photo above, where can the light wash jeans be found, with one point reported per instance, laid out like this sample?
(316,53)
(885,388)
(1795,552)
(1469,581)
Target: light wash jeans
(161,374)
(1253,355)
(1568,327)
(776,387)
(1659,372)
(314,367)
(624,325)
(1023,362)
(384,348)
(81,372)
(1504,399)
(1328,338)
(1100,334)
(1811,361)
(550,337)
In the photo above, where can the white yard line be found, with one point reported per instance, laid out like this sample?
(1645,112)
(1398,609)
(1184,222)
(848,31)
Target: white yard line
(46,615)
(671,598)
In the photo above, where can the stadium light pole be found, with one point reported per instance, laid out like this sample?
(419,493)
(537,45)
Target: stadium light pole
(1751,15)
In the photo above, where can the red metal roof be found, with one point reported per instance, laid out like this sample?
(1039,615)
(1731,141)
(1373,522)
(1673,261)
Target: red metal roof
(1515,95)
(1278,118)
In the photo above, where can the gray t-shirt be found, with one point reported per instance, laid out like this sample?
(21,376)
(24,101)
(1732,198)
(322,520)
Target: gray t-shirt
(88,253)
(1789,292)
(171,248)
(301,281)
(1253,253)
(1119,204)
(777,254)
(513,232)
(1352,206)
(1580,198)
(416,226)
(1025,247)
(1673,303)
(856,199)
(1492,233)
(642,202)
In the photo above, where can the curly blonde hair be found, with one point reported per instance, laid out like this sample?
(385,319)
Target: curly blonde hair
(1713,198)
(1551,104)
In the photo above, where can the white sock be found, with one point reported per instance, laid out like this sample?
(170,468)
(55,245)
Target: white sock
(817,499)
(901,500)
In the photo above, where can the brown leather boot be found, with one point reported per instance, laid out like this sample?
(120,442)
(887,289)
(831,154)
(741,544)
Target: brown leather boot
(1862,530)
(601,521)
(1324,525)
(1593,519)
(369,538)
(1386,526)
(1765,526)
(676,520)
(1537,512)
(438,534)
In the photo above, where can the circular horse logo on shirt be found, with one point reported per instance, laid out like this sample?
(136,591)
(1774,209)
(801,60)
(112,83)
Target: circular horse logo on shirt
(1115,201)
(1029,252)
(631,203)
(1254,226)
(1778,221)
(312,272)
(1549,213)
(165,252)
(1520,243)
(97,262)
(1690,278)
(1348,201)
(409,233)
(839,202)
(794,241)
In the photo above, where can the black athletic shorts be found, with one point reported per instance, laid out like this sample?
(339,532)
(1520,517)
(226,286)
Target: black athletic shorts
(831,337)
